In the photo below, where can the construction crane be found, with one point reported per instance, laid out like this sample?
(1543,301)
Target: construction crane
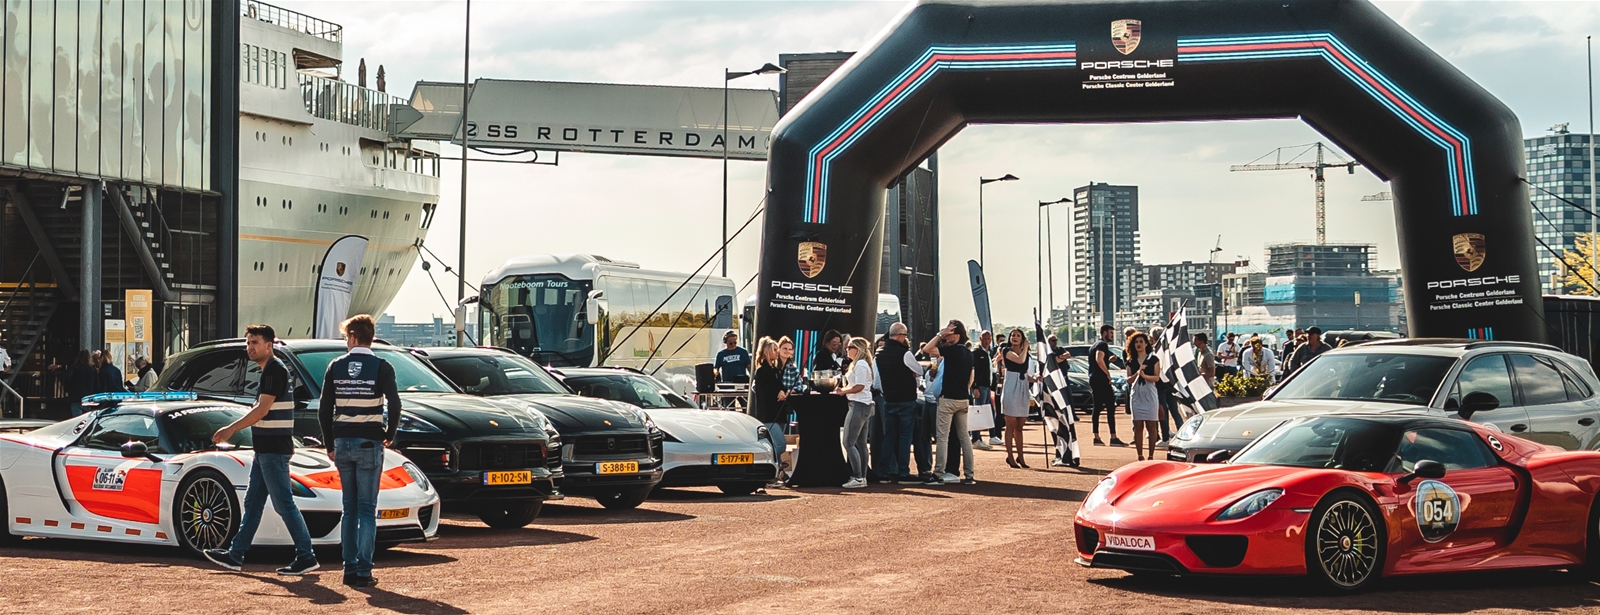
(1381,196)
(1317,166)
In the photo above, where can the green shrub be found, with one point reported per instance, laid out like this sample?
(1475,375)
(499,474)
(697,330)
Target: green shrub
(1240,385)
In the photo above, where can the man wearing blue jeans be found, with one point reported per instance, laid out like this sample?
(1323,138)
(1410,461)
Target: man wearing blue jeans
(360,412)
(271,422)
(898,375)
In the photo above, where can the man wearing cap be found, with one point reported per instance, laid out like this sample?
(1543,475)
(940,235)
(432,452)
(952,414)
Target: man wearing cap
(1307,351)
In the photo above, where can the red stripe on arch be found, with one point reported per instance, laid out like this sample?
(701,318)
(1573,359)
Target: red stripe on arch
(878,105)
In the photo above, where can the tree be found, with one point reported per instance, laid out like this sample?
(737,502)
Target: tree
(1580,278)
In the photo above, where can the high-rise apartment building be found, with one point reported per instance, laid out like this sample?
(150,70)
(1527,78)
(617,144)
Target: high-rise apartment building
(1558,166)
(1105,250)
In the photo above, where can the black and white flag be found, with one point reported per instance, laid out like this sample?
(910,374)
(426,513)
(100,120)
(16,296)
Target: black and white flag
(1179,370)
(1055,401)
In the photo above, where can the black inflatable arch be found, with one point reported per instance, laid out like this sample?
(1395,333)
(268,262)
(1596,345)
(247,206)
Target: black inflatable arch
(1451,150)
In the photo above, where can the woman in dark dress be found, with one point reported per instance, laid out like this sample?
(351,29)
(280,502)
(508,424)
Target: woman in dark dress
(830,353)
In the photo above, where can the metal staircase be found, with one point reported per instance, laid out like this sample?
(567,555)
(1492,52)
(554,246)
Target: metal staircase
(24,313)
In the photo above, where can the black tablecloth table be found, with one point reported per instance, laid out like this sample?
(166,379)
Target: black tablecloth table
(821,460)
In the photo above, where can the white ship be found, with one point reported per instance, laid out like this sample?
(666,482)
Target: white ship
(316,164)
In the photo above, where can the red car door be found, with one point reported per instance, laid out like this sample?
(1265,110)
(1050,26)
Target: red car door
(107,486)
(1458,522)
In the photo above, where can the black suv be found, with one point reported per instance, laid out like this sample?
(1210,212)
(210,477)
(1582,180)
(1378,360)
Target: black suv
(483,458)
(611,451)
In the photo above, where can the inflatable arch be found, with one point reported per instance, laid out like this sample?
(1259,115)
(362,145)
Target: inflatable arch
(1451,150)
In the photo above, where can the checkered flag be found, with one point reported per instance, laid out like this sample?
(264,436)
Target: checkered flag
(1055,401)
(1177,360)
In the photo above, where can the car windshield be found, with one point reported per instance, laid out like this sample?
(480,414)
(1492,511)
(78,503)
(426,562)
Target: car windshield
(642,391)
(498,373)
(190,429)
(410,374)
(1391,377)
(1357,445)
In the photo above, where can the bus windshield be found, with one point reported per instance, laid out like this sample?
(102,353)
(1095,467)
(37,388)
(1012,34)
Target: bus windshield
(542,317)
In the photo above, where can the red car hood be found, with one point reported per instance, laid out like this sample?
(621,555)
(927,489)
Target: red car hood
(1166,487)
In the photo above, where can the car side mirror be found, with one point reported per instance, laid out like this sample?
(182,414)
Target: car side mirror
(1475,402)
(138,450)
(1426,468)
(1219,456)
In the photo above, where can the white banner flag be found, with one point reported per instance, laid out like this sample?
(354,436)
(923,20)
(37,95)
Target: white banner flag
(336,282)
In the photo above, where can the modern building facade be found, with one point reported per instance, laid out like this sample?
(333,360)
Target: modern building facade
(1331,286)
(1558,168)
(1105,249)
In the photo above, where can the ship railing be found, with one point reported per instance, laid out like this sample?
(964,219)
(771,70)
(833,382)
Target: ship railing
(347,103)
(285,18)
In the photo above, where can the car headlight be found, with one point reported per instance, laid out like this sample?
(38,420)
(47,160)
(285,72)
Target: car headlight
(1190,428)
(418,476)
(299,490)
(544,422)
(1100,493)
(1250,504)
(412,424)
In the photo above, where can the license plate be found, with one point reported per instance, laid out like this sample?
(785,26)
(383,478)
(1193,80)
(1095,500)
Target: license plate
(728,459)
(514,477)
(1131,543)
(617,467)
(394,513)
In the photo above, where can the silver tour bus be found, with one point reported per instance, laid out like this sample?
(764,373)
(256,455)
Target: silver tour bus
(547,307)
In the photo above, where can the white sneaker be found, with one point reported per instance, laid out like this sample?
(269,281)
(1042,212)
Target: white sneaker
(1058,464)
(996,442)
(982,445)
(855,483)
(1161,444)
(949,478)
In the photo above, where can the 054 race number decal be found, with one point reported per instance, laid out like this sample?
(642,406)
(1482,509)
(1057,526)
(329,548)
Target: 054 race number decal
(1438,510)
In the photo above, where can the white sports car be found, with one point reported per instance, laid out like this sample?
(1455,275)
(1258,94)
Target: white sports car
(143,469)
(725,448)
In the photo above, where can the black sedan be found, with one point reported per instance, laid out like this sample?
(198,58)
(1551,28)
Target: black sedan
(611,451)
(483,458)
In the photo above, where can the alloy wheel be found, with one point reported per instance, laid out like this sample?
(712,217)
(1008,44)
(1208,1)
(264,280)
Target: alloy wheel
(1347,543)
(206,515)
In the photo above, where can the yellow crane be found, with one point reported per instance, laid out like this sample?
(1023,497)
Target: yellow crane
(1279,163)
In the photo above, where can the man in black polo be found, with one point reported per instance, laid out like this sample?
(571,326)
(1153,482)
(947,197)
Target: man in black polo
(360,413)
(1105,397)
(1304,353)
(954,396)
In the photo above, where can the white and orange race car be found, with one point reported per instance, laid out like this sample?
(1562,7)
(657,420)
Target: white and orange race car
(142,468)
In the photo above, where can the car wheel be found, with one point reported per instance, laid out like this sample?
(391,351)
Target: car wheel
(1345,543)
(510,516)
(740,488)
(6,537)
(624,500)
(205,511)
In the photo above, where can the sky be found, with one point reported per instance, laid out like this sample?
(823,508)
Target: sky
(664,213)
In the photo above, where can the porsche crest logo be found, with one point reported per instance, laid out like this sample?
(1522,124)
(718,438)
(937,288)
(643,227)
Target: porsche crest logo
(338,269)
(1125,35)
(1470,250)
(813,257)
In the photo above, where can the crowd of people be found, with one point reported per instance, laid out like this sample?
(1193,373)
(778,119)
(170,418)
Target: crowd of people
(909,403)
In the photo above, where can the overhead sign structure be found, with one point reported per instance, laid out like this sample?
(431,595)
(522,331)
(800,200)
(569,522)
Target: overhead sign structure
(1452,152)
(595,117)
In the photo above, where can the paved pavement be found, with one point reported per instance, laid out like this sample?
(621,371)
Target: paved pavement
(1002,546)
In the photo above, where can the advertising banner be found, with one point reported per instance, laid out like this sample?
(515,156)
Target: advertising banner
(116,332)
(138,306)
(980,294)
(336,282)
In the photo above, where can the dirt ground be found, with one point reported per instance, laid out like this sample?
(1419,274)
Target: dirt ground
(1002,546)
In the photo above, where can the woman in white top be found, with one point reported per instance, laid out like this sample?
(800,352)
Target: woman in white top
(858,389)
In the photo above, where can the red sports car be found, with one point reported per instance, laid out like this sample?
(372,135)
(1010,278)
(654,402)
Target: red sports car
(1347,499)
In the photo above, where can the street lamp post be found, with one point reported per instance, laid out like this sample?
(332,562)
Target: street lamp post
(982,181)
(727,76)
(1050,254)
